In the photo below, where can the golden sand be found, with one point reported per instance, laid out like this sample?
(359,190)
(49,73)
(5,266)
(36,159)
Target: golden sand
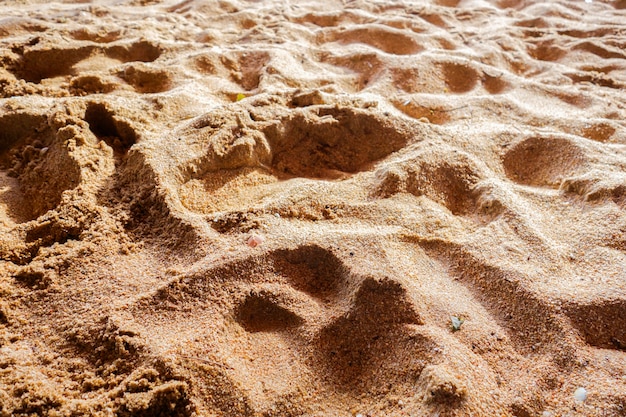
(302,208)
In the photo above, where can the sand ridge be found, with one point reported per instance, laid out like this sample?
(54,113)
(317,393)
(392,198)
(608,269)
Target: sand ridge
(401,163)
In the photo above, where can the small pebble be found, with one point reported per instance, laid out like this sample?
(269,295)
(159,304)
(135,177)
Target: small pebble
(580,394)
(255,240)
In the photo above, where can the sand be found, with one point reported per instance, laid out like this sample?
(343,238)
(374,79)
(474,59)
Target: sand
(302,208)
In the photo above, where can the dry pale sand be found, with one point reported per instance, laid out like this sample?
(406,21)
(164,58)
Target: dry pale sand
(276,208)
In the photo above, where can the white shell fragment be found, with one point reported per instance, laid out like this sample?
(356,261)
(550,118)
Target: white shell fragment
(580,394)
(255,240)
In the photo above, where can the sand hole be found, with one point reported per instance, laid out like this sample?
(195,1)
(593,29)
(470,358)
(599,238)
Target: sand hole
(446,178)
(600,50)
(243,68)
(117,133)
(601,324)
(602,80)
(510,4)
(38,64)
(31,278)
(327,142)
(426,114)
(14,127)
(311,269)
(460,78)
(495,85)
(408,79)
(143,51)
(434,19)
(367,66)
(391,41)
(227,190)
(91,84)
(85,34)
(40,167)
(12,26)
(146,79)
(261,313)
(528,318)
(322,19)
(547,51)
(446,183)
(358,343)
(600,132)
(14,205)
(251,66)
(535,22)
(440,385)
(384,302)
(448,3)
(544,161)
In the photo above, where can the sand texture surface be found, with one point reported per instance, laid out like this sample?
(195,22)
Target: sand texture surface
(312,208)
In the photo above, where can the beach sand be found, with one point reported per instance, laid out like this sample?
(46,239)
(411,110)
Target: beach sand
(301,208)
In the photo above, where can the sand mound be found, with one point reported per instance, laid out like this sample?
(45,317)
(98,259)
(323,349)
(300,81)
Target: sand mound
(346,208)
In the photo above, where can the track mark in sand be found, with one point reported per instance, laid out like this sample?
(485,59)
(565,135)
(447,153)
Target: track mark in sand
(58,164)
(602,324)
(13,203)
(384,38)
(132,383)
(141,51)
(101,36)
(529,320)
(106,126)
(356,345)
(287,301)
(244,68)
(424,113)
(600,50)
(259,312)
(495,84)
(544,161)
(367,67)
(253,151)
(41,60)
(328,140)
(460,78)
(439,77)
(598,186)
(31,154)
(38,64)
(313,270)
(450,178)
(511,4)
(448,3)
(146,79)
(546,50)
(330,19)
(15,127)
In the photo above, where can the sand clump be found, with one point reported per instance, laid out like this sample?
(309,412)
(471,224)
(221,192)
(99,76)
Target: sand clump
(241,208)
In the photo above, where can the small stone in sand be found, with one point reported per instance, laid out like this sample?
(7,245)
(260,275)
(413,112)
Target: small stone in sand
(580,394)
(255,240)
